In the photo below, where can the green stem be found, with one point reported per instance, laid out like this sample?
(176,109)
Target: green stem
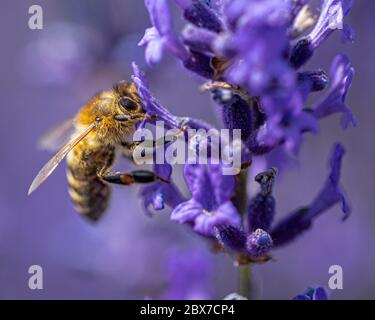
(240,198)
(240,201)
(244,281)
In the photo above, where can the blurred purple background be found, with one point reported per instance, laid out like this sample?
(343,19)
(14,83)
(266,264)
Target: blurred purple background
(86,46)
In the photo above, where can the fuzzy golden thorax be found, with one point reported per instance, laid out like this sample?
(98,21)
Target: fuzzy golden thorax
(116,112)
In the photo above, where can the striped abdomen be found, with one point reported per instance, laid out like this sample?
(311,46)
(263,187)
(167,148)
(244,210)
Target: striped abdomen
(88,192)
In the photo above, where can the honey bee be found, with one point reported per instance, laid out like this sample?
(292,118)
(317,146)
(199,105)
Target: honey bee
(100,129)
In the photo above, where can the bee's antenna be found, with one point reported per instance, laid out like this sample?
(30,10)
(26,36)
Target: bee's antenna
(142,116)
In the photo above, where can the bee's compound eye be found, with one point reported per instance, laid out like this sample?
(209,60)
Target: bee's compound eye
(128,103)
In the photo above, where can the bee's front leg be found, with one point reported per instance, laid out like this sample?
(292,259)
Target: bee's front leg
(129,147)
(137,176)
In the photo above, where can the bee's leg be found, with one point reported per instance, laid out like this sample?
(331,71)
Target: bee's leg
(137,176)
(129,147)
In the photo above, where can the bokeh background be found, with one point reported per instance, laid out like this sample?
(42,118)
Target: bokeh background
(86,46)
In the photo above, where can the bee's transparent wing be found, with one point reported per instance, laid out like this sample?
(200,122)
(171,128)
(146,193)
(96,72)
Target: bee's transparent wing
(51,165)
(55,138)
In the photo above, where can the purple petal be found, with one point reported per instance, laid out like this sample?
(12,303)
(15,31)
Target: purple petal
(347,34)
(187,211)
(158,195)
(312,294)
(149,103)
(223,184)
(154,51)
(226,214)
(331,192)
(198,39)
(208,185)
(330,19)
(161,37)
(290,227)
(320,294)
(160,15)
(163,170)
(301,297)
(197,181)
(334,101)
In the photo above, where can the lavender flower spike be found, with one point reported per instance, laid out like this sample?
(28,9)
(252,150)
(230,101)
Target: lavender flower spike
(210,205)
(334,101)
(160,37)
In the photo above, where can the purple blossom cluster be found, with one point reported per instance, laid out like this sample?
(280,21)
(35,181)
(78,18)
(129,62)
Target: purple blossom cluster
(252,56)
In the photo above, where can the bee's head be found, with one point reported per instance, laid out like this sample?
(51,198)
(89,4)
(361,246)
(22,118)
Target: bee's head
(116,113)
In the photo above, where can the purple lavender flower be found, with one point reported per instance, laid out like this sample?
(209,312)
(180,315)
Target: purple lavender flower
(159,194)
(332,191)
(300,220)
(257,44)
(330,19)
(210,205)
(334,101)
(318,293)
(286,122)
(160,37)
(247,49)
(262,209)
(199,39)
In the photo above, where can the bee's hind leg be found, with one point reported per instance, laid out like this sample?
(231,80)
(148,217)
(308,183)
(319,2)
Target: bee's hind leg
(136,176)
